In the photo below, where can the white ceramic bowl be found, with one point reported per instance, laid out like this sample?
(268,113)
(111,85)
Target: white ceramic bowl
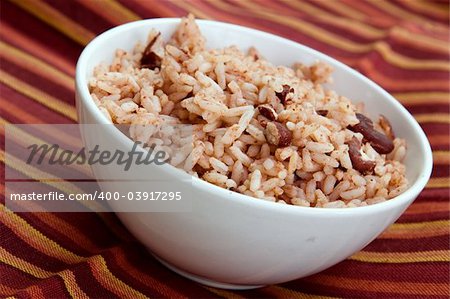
(233,241)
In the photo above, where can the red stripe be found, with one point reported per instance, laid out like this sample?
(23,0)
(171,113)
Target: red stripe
(61,172)
(438,129)
(438,195)
(39,50)
(101,237)
(371,70)
(403,272)
(151,9)
(39,82)
(245,18)
(21,249)
(415,50)
(39,31)
(15,278)
(431,195)
(123,275)
(441,171)
(431,216)
(426,15)
(425,107)
(142,260)
(36,108)
(82,15)
(396,72)
(440,147)
(52,287)
(373,14)
(314,287)
(409,245)
(162,274)
(87,282)
(284,9)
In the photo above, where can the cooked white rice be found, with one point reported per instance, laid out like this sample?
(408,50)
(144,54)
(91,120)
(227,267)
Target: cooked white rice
(271,132)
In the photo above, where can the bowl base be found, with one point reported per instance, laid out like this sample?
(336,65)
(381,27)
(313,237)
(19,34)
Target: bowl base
(206,281)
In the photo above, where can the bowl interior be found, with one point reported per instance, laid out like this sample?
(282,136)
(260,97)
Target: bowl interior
(277,50)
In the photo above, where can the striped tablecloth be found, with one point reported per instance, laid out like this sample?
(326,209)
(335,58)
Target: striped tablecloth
(402,45)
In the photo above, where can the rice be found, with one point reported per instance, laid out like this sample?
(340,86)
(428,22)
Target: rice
(239,122)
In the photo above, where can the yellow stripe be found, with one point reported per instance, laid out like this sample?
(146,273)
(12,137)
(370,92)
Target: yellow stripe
(441,157)
(108,218)
(38,95)
(371,285)
(408,63)
(420,40)
(402,14)
(349,24)
(66,187)
(273,290)
(38,48)
(52,131)
(224,293)
(433,118)
(111,10)
(402,257)
(189,7)
(438,139)
(31,172)
(64,228)
(36,239)
(427,8)
(410,98)
(309,29)
(276,291)
(428,207)
(17,225)
(71,285)
(35,65)
(426,232)
(25,139)
(338,41)
(50,180)
(439,183)
(37,174)
(416,230)
(23,265)
(108,280)
(420,225)
(7,290)
(35,292)
(57,20)
(146,278)
(344,10)
(21,116)
(436,5)
(387,81)
(26,267)
(121,10)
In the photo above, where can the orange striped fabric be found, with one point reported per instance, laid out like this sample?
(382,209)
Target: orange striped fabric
(403,45)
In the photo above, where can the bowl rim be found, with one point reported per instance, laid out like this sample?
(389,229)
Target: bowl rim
(406,198)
